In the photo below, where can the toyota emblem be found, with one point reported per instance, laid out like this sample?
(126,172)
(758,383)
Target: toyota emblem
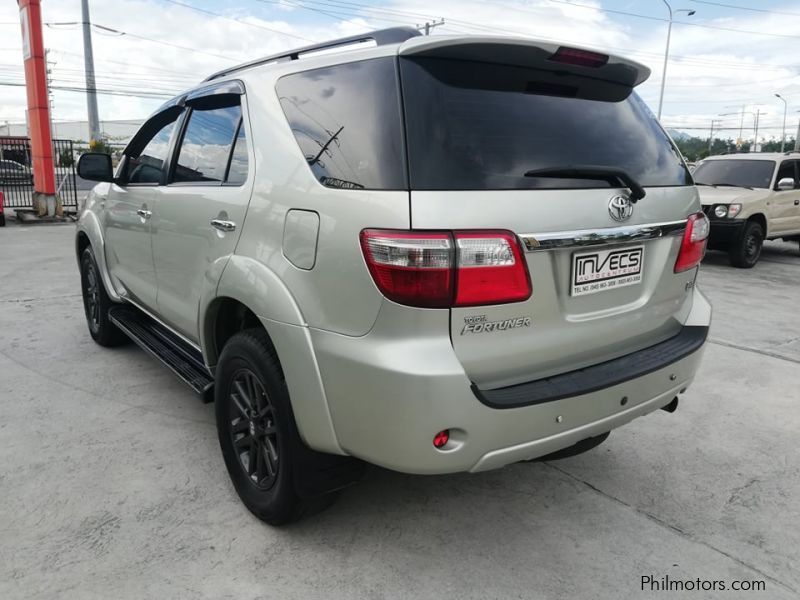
(620,208)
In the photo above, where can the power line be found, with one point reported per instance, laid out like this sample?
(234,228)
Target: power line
(221,16)
(750,8)
(147,39)
(651,18)
(83,90)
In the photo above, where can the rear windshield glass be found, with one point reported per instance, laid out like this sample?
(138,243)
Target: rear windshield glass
(479,126)
(347,121)
(739,173)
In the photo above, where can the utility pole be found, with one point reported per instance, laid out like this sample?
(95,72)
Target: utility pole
(755,125)
(711,135)
(797,138)
(91,83)
(672,13)
(785,109)
(430,25)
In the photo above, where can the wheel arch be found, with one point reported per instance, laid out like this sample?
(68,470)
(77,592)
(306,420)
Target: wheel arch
(227,315)
(90,234)
(761,219)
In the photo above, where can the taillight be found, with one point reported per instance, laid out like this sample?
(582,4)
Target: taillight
(436,269)
(491,269)
(411,267)
(693,246)
(581,58)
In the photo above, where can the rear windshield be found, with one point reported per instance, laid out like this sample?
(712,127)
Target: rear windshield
(480,126)
(739,173)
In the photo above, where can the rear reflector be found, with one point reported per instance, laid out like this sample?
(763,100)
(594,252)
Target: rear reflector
(436,269)
(693,245)
(440,439)
(581,58)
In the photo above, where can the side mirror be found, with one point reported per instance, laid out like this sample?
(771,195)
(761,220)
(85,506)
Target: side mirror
(785,184)
(95,166)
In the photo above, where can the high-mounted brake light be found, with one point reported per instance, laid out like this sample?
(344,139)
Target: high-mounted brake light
(693,245)
(437,269)
(581,58)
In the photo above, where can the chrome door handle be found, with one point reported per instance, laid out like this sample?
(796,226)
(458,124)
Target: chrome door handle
(223,225)
(145,214)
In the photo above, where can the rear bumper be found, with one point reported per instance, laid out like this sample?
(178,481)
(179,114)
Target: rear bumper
(391,391)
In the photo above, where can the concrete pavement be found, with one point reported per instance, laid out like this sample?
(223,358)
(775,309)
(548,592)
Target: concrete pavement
(112,484)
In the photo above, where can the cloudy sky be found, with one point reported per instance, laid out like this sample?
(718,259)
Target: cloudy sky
(728,54)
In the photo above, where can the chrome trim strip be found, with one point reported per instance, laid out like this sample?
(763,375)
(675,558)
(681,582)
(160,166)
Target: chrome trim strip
(164,325)
(582,238)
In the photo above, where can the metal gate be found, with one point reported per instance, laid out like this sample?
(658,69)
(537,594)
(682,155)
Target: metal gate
(16,173)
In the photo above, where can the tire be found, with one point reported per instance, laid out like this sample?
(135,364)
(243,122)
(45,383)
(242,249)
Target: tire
(96,303)
(256,428)
(747,251)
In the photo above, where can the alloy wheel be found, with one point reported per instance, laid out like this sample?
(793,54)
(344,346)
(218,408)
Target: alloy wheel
(253,429)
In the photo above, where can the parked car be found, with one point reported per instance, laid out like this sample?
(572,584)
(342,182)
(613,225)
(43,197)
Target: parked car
(434,254)
(750,198)
(13,172)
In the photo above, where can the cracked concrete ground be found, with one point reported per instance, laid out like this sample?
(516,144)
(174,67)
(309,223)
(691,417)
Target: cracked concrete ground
(112,484)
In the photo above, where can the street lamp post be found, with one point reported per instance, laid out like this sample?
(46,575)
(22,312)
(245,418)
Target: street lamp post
(689,13)
(785,109)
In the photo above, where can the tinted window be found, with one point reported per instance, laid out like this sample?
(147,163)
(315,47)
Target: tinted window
(237,173)
(206,144)
(146,166)
(346,120)
(735,172)
(483,126)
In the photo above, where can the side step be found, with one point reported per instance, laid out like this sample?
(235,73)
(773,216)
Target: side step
(182,359)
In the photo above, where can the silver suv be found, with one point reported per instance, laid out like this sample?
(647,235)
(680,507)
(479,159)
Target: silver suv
(433,254)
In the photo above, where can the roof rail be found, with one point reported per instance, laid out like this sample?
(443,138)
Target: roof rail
(381,37)
(791,152)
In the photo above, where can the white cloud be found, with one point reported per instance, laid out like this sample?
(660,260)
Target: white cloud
(709,72)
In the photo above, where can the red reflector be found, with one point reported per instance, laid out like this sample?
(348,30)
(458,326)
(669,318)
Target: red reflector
(693,245)
(581,58)
(441,438)
(491,269)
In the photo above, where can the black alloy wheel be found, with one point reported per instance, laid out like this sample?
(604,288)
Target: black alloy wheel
(253,429)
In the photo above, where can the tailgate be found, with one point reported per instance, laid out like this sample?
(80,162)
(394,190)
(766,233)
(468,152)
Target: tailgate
(559,328)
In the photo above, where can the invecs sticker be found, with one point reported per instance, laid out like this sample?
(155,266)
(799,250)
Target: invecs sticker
(479,324)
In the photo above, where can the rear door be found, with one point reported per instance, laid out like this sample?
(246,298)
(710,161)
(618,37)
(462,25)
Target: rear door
(508,146)
(199,214)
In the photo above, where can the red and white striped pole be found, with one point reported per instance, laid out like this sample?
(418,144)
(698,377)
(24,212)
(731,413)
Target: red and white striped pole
(44,195)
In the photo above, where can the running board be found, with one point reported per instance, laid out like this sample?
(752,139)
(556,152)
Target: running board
(155,339)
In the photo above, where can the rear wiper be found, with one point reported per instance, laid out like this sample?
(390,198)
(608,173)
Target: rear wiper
(609,174)
(731,185)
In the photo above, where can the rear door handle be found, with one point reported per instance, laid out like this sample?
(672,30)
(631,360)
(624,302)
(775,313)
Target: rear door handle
(145,214)
(223,225)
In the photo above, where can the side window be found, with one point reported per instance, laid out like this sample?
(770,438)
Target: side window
(346,120)
(146,166)
(787,170)
(237,172)
(206,146)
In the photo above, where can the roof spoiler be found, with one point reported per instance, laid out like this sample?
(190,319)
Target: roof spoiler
(381,37)
(531,53)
